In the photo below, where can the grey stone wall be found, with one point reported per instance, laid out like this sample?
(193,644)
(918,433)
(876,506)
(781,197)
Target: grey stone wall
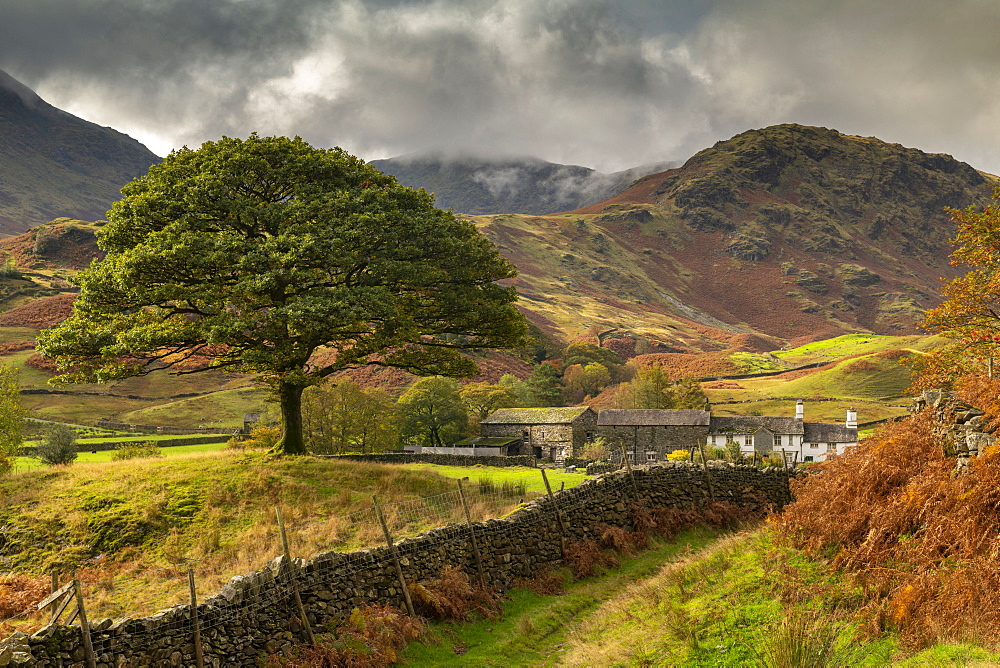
(252,615)
(662,439)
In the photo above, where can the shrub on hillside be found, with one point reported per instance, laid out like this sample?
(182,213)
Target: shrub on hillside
(58,446)
(136,450)
(262,436)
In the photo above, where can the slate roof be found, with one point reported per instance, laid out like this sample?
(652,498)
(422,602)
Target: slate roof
(653,417)
(748,424)
(487,441)
(535,415)
(822,432)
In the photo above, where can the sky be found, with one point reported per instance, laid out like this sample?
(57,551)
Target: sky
(601,83)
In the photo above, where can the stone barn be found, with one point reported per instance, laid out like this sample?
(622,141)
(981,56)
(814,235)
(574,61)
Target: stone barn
(546,433)
(650,434)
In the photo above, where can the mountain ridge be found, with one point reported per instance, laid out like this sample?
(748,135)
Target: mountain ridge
(513,184)
(789,231)
(54,164)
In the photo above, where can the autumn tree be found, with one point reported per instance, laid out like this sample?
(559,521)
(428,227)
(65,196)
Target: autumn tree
(253,255)
(970,314)
(653,388)
(582,381)
(481,399)
(342,416)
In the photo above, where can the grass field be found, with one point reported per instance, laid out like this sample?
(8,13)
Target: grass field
(87,457)
(535,629)
(855,344)
(875,383)
(531,478)
(138,520)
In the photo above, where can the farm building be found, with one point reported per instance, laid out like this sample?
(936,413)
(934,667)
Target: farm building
(651,434)
(546,433)
(802,441)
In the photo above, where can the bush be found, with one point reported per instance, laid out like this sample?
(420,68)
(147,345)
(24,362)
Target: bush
(58,447)
(596,450)
(137,450)
(372,636)
(678,456)
(262,436)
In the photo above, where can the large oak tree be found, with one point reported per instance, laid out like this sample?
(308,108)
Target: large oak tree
(256,255)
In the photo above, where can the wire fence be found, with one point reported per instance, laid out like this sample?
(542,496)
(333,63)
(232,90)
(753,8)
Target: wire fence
(163,587)
(244,608)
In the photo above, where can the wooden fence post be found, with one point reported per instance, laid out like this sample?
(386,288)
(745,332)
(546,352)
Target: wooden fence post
(88,646)
(199,660)
(628,466)
(472,533)
(555,507)
(55,603)
(291,578)
(708,475)
(395,558)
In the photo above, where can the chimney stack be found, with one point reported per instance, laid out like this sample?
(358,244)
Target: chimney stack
(852,419)
(800,410)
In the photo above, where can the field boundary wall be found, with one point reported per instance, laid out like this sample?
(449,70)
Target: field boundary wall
(254,615)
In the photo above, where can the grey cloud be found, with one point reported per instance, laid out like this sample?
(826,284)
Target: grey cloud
(593,82)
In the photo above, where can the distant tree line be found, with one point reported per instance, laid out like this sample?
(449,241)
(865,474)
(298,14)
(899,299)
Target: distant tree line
(340,416)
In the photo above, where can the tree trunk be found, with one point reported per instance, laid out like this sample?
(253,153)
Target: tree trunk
(290,398)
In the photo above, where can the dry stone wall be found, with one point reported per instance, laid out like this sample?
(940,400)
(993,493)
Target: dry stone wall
(253,615)
(959,424)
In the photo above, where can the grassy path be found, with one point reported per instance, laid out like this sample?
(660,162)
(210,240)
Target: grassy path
(534,629)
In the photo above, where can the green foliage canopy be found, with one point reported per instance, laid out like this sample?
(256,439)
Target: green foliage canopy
(341,417)
(652,388)
(433,411)
(253,255)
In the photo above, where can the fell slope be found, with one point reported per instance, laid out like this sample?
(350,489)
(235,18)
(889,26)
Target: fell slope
(53,164)
(793,232)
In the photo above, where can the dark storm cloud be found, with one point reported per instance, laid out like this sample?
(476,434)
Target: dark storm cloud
(595,82)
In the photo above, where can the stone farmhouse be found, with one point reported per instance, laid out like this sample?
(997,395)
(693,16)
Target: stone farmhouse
(546,433)
(649,435)
(802,441)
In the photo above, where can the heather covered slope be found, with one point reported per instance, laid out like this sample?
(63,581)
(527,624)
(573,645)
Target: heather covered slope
(53,164)
(794,232)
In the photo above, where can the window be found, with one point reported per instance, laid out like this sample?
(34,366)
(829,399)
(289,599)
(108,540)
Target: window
(814,445)
(590,435)
(650,455)
(808,458)
(527,435)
